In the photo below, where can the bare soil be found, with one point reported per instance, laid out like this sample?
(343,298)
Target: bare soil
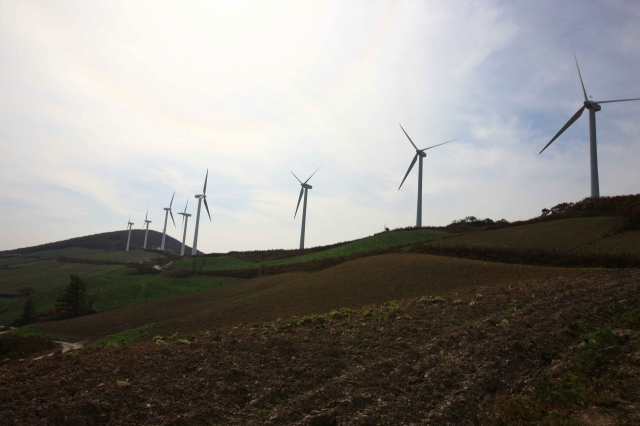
(353,284)
(410,362)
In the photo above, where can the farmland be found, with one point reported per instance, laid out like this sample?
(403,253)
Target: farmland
(564,234)
(353,284)
(379,241)
(109,285)
(626,242)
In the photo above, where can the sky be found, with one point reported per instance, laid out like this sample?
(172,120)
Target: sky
(109,107)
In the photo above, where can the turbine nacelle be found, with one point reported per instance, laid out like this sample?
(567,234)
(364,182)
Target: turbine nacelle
(592,105)
(306,185)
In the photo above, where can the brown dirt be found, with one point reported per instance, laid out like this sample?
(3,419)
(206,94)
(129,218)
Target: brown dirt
(424,363)
(564,234)
(353,284)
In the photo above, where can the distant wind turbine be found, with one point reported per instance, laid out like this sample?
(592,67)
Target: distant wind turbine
(593,107)
(420,154)
(304,189)
(185,219)
(200,198)
(129,225)
(146,224)
(167,212)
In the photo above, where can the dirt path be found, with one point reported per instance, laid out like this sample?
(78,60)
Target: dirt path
(66,347)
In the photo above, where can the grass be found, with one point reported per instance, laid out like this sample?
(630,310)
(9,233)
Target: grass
(66,252)
(626,242)
(121,256)
(16,261)
(380,241)
(124,337)
(213,264)
(29,331)
(111,287)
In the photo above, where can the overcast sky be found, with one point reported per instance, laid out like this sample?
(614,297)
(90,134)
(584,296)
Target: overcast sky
(107,107)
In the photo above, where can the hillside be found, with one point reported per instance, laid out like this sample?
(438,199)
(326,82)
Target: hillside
(116,240)
(542,351)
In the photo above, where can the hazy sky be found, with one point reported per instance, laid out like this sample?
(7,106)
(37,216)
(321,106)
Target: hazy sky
(107,107)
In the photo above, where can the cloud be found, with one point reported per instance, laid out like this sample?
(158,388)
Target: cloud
(105,108)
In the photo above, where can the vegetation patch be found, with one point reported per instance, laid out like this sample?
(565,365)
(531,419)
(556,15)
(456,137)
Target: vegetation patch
(123,338)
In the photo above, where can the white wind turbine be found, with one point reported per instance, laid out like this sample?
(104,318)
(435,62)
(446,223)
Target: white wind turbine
(305,188)
(185,219)
(129,225)
(200,198)
(593,107)
(420,153)
(167,212)
(146,225)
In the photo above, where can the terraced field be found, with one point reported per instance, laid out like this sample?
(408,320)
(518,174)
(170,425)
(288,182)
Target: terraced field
(379,241)
(353,284)
(565,234)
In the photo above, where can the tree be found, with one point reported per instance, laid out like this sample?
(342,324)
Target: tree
(28,312)
(73,298)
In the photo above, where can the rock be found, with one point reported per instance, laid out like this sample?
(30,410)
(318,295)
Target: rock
(505,323)
(364,420)
(626,334)
(614,350)
(122,383)
(105,406)
(325,418)
(346,405)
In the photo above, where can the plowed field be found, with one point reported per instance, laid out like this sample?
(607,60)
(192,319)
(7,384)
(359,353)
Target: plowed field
(353,284)
(536,352)
(565,234)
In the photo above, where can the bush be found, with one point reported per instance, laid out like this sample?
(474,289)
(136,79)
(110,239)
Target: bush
(28,313)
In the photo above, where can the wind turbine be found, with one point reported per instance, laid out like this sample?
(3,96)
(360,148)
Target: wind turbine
(185,219)
(146,232)
(593,107)
(420,153)
(305,188)
(200,197)
(167,212)
(129,225)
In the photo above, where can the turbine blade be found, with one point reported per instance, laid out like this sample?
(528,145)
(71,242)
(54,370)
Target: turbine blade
(294,175)
(312,175)
(206,207)
(182,227)
(415,157)
(185,206)
(299,198)
(565,127)
(204,189)
(171,203)
(174,222)
(414,145)
(581,82)
(617,100)
(438,145)
(147,214)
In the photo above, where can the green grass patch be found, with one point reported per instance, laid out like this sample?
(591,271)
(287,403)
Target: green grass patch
(65,252)
(219,263)
(122,256)
(124,337)
(27,331)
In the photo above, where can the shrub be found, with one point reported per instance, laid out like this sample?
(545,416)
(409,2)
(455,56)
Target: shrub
(27,290)
(436,299)
(73,298)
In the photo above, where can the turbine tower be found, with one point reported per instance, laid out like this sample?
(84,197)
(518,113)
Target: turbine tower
(185,219)
(200,198)
(420,154)
(129,225)
(167,212)
(305,188)
(146,232)
(593,107)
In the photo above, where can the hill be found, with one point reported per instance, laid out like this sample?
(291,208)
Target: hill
(116,240)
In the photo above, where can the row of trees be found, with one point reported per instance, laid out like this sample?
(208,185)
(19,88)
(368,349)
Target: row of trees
(73,301)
